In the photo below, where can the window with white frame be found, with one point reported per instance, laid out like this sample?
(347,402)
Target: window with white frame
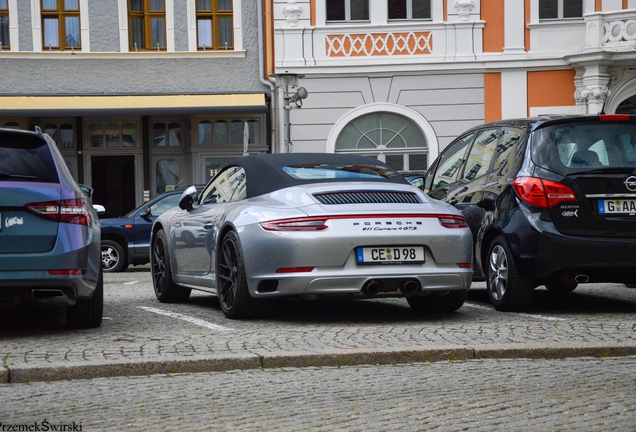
(389,137)
(147,24)
(4,24)
(214,24)
(560,9)
(347,10)
(409,9)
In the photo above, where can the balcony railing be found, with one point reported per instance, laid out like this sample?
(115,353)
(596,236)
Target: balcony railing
(611,30)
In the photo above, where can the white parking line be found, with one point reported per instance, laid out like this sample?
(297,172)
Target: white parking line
(130,283)
(191,320)
(547,318)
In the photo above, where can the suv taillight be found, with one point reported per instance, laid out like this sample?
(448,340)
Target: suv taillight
(542,193)
(74,211)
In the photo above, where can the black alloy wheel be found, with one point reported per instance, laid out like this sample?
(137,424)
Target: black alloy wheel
(234,296)
(166,290)
(507,289)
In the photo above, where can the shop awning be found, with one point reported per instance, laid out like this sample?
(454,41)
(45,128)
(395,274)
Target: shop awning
(39,106)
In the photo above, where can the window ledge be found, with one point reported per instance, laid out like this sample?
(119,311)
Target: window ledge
(126,55)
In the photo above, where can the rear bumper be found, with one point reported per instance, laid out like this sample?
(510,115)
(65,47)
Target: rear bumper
(335,270)
(27,276)
(546,255)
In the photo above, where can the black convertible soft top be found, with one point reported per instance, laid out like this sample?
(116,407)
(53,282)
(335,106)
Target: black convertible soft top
(265,173)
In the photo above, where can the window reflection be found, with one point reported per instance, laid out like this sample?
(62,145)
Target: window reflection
(159,135)
(205,132)
(96,133)
(112,135)
(128,135)
(167,175)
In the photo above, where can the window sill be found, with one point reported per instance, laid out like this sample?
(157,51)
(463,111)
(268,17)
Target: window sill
(126,55)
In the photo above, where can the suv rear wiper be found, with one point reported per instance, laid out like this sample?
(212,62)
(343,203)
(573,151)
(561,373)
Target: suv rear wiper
(16,176)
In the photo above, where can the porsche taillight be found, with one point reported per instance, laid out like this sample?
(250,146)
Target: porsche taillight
(542,193)
(452,221)
(73,211)
(297,224)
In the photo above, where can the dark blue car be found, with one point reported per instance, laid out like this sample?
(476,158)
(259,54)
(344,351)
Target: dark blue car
(125,240)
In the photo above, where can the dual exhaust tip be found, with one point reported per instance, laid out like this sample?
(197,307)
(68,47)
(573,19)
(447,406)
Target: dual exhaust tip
(408,287)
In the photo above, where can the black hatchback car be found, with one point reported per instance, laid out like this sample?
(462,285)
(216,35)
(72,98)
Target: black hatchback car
(550,201)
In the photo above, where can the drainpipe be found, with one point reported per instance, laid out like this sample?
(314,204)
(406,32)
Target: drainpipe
(264,81)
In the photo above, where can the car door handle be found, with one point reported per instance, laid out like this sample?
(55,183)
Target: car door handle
(208,226)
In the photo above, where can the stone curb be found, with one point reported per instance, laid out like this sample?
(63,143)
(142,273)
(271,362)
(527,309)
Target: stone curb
(333,357)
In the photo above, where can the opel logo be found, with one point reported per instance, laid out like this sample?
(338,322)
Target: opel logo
(630,183)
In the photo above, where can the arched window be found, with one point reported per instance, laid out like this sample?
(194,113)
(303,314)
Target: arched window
(389,137)
(628,106)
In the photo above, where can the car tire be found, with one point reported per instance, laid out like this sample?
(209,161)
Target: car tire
(234,296)
(438,304)
(507,289)
(188,238)
(114,259)
(166,290)
(87,313)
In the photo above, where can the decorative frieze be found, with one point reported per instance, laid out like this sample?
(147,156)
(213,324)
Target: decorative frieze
(379,44)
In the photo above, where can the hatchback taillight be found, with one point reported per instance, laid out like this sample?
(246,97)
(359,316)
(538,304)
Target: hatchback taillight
(542,193)
(73,211)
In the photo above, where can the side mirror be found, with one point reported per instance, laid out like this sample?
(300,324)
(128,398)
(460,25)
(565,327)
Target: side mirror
(188,198)
(488,203)
(146,213)
(99,209)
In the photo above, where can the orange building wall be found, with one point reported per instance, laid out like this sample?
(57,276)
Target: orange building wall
(492,97)
(492,13)
(551,88)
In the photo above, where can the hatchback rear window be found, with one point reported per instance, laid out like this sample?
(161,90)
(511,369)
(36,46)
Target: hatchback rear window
(568,148)
(26,157)
(328,171)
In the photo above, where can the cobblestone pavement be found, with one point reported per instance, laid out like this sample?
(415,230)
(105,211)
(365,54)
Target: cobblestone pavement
(139,335)
(575,394)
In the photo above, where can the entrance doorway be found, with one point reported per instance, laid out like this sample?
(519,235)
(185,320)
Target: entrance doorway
(113,182)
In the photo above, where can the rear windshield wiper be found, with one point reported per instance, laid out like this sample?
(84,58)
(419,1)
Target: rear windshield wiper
(17,176)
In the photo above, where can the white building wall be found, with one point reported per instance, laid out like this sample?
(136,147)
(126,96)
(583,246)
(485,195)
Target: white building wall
(449,104)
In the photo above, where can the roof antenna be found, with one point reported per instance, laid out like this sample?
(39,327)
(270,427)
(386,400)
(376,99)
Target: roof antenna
(609,83)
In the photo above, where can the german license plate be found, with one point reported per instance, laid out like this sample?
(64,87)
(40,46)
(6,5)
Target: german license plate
(617,206)
(390,255)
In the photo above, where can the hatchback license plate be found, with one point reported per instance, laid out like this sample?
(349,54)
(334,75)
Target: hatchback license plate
(617,206)
(390,255)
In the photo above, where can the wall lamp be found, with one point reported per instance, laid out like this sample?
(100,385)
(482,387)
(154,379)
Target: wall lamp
(298,97)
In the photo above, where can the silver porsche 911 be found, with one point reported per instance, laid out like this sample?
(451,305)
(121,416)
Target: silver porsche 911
(311,225)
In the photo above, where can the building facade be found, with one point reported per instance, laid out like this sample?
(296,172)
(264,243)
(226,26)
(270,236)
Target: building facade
(141,95)
(400,79)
